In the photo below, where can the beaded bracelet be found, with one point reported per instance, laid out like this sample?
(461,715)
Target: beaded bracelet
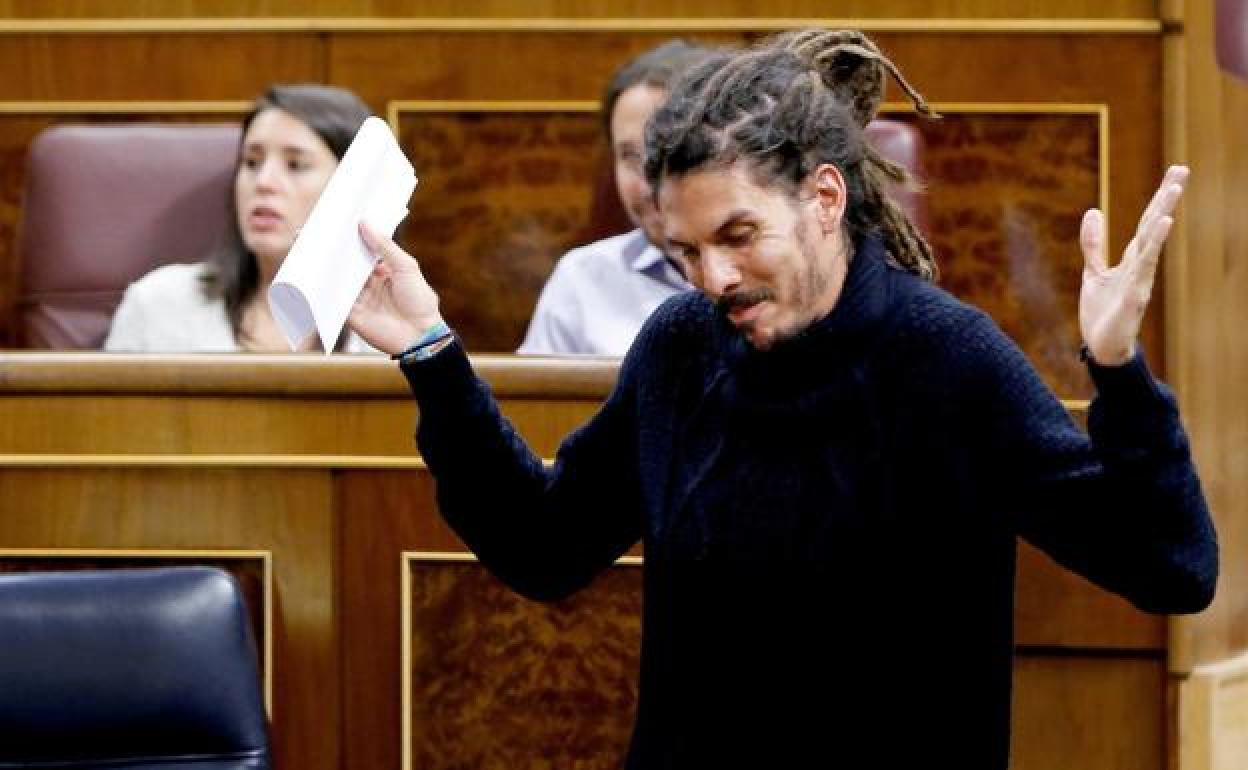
(427,345)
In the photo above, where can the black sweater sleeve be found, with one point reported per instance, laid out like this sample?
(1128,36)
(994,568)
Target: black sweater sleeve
(1121,505)
(544,531)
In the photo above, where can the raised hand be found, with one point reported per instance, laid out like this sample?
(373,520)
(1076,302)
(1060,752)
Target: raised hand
(1112,300)
(397,304)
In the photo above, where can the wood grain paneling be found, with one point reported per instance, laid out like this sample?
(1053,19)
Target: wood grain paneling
(383,514)
(487,65)
(498,681)
(1005,190)
(1088,713)
(152,67)
(502,195)
(1207,274)
(1055,608)
(505,192)
(85,9)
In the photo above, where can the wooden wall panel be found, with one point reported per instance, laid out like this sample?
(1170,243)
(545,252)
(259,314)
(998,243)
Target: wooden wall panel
(154,66)
(383,514)
(498,681)
(461,66)
(1055,608)
(1005,191)
(285,512)
(1088,713)
(85,9)
(1207,271)
(502,195)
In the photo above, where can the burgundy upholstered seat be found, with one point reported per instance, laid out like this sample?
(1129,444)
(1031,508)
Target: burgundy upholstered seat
(104,205)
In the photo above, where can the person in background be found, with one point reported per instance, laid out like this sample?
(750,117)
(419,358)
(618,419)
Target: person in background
(292,141)
(828,459)
(600,294)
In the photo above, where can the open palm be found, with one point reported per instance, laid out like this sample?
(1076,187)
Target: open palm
(1112,300)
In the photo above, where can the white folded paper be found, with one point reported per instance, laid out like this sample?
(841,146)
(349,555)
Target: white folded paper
(329,264)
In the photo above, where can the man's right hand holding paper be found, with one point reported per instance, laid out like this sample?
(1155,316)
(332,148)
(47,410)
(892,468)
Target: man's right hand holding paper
(397,305)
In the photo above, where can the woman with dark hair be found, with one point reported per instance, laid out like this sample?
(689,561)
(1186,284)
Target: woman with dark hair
(291,143)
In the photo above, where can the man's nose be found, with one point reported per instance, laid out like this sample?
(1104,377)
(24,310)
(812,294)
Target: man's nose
(719,273)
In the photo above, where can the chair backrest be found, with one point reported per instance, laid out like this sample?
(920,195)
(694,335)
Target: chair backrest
(1230,24)
(128,669)
(104,205)
(902,143)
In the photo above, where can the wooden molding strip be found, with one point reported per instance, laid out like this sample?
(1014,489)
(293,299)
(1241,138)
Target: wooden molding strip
(297,462)
(1038,26)
(587,378)
(138,107)
(47,461)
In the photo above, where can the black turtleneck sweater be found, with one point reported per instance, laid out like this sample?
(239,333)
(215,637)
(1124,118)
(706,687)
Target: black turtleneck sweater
(829,527)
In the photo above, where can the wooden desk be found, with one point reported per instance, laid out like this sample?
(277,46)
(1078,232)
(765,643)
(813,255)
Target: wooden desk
(309,463)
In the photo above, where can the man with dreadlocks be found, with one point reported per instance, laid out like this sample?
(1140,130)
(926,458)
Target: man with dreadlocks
(827,458)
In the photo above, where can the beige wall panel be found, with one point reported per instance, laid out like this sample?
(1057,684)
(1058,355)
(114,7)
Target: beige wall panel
(1213,717)
(1088,714)
(285,512)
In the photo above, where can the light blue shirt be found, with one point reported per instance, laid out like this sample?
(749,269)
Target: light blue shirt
(599,295)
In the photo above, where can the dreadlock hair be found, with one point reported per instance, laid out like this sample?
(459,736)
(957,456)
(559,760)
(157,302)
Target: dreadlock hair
(797,100)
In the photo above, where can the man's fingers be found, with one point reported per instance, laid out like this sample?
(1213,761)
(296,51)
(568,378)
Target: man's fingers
(393,257)
(1092,240)
(1165,199)
(1150,250)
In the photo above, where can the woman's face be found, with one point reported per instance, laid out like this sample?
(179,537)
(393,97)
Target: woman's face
(283,168)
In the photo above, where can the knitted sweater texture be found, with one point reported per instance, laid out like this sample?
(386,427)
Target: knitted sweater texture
(829,527)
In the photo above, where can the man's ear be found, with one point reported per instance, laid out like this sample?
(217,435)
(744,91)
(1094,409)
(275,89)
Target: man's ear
(830,195)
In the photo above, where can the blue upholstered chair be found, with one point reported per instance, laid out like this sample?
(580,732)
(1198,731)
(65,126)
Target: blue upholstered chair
(127,669)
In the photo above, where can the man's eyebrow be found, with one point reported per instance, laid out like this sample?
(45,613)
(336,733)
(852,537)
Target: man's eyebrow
(734,218)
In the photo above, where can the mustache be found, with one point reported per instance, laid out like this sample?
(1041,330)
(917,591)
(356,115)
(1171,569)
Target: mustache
(737,299)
